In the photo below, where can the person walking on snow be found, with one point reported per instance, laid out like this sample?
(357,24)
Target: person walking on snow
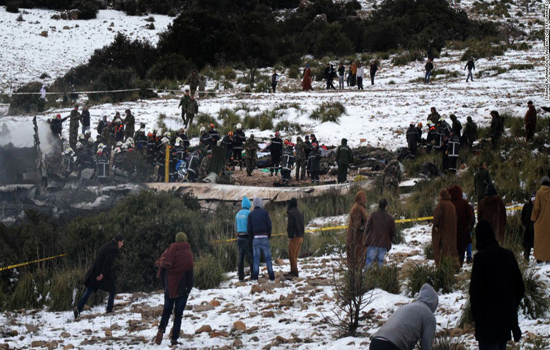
(379,233)
(471,66)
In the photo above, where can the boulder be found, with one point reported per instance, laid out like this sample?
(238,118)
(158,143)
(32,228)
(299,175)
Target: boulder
(44,33)
(204,329)
(239,325)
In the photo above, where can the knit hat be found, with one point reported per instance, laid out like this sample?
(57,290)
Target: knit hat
(545,179)
(181,237)
(257,202)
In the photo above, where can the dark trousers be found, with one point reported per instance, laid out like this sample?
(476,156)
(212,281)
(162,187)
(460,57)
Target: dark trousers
(461,253)
(342,173)
(285,175)
(528,243)
(445,160)
(314,176)
(359,83)
(492,346)
(238,156)
(529,132)
(379,344)
(274,87)
(372,78)
(453,162)
(88,293)
(413,151)
(300,164)
(178,305)
(275,163)
(245,251)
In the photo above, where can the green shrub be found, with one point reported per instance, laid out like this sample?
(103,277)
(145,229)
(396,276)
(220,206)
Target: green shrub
(12,6)
(288,127)
(428,251)
(329,112)
(441,278)
(115,79)
(229,119)
(172,66)
(88,8)
(535,303)
(385,278)
(405,58)
(522,66)
(208,272)
(30,291)
(265,121)
(483,49)
(26,104)
(204,119)
(445,341)
(466,317)
(294,72)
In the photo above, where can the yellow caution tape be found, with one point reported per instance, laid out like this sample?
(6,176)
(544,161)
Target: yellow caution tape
(30,262)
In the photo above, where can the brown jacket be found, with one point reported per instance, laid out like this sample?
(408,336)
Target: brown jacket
(444,231)
(380,230)
(492,209)
(541,217)
(531,117)
(355,248)
(306,81)
(464,216)
(176,261)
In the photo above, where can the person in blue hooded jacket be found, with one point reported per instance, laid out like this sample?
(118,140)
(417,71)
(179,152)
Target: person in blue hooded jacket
(244,241)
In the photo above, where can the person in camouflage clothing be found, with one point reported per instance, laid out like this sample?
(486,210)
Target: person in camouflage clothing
(392,176)
(250,147)
(192,109)
(184,102)
(301,160)
(204,168)
(129,123)
(344,157)
(74,120)
(193,82)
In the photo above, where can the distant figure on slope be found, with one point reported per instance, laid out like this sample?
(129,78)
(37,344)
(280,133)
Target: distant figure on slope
(541,219)
(492,209)
(429,68)
(274,81)
(355,248)
(306,80)
(471,66)
(530,121)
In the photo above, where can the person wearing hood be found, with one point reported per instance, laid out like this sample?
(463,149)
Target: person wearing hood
(300,151)
(496,289)
(444,229)
(528,227)
(244,241)
(295,229)
(344,157)
(355,247)
(74,120)
(492,209)
(259,228)
(482,179)
(497,127)
(307,78)
(379,233)
(129,124)
(465,217)
(541,218)
(85,119)
(530,120)
(176,273)
(409,324)
(413,138)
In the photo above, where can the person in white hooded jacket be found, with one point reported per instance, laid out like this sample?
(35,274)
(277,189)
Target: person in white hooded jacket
(409,324)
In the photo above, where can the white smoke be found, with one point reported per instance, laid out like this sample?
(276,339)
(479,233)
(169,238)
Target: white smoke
(21,134)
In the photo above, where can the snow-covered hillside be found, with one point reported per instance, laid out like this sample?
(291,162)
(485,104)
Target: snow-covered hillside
(26,55)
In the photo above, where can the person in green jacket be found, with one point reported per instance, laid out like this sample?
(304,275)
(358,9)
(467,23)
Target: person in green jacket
(482,179)
(344,157)
(184,103)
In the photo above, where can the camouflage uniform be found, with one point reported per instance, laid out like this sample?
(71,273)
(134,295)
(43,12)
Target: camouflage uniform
(73,128)
(204,168)
(130,122)
(392,176)
(192,109)
(300,159)
(250,147)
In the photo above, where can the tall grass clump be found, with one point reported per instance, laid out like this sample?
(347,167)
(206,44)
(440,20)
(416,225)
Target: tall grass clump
(535,304)
(288,127)
(442,278)
(208,272)
(329,112)
(385,278)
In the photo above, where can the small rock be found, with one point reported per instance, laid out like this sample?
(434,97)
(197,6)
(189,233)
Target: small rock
(66,27)
(279,261)
(239,325)
(65,335)
(237,343)
(67,347)
(217,334)
(202,308)
(38,343)
(31,328)
(268,314)
(44,33)
(256,288)
(281,339)
(108,333)
(203,329)
(256,339)
(215,303)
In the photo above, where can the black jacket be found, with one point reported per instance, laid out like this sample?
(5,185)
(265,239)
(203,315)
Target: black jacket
(495,292)
(276,147)
(259,223)
(526,217)
(295,226)
(102,265)
(413,137)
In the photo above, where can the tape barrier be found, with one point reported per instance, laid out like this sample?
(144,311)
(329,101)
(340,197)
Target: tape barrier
(30,262)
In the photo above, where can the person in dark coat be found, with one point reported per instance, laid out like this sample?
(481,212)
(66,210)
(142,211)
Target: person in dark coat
(240,139)
(184,102)
(314,163)
(465,216)
(100,276)
(259,228)
(274,80)
(129,124)
(56,124)
(379,233)
(85,119)
(307,79)
(429,68)
(530,122)
(344,157)
(471,66)
(492,209)
(482,179)
(295,229)
(497,128)
(413,138)
(444,229)
(176,273)
(456,126)
(496,290)
(355,247)
(528,226)
(276,151)
(470,133)
(373,70)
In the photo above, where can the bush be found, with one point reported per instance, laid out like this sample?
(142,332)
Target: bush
(208,273)
(26,104)
(483,49)
(115,79)
(204,119)
(407,57)
(445,341)
(385,278)
(250,122)
(521,66)
(329,112)
(535,304)
(294,73)
(441,278)
(288,127)
(12,6)
(172,66)
(88,8)
(428,251)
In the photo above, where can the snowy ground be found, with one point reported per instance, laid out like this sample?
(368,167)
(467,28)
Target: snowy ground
(288,313)
(25,54)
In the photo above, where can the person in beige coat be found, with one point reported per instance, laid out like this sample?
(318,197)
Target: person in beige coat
(541,218)
(444,229)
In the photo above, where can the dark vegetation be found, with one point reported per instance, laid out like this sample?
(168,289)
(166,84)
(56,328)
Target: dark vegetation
(251,34)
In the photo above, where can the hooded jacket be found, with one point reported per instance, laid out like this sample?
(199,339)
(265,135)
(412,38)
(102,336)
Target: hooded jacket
(259,222)
(102,266)
(355,248)
(492,209)
(413,322)
(177,269)
(496,289)
(541,217)
(295,226)
(241,219)
(464,215)
(344,156)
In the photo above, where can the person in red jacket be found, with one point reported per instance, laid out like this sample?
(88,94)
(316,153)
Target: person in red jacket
(176,272)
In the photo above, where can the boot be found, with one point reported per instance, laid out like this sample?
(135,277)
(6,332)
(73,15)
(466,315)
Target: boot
(158,337)
(174,342)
